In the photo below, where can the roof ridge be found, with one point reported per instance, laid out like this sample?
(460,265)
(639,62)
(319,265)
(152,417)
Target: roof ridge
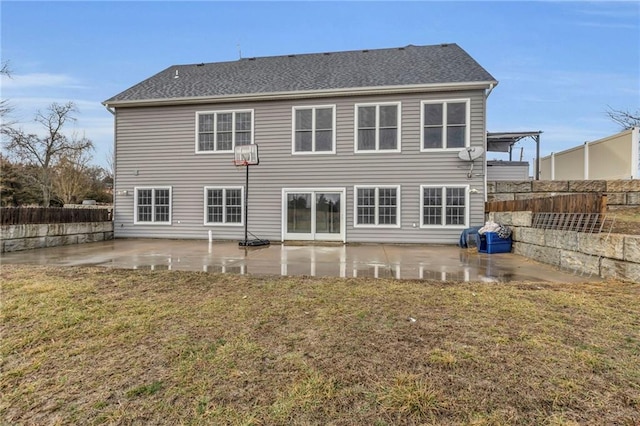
(322,53)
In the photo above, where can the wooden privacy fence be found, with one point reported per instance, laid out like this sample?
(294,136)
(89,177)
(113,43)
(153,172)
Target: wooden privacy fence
(29,215)
(571,203)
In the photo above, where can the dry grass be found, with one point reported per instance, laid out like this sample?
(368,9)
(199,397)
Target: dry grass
(627,220)
(96,346)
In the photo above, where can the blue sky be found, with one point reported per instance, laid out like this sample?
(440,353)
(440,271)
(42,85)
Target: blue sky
(559,64)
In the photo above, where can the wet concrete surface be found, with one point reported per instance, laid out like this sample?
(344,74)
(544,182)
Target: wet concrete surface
(439,262)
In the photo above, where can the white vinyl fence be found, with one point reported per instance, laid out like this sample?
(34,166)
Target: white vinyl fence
(613,157)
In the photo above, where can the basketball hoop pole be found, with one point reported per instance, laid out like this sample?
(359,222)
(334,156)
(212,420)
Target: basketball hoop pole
(246,205)
(247,156)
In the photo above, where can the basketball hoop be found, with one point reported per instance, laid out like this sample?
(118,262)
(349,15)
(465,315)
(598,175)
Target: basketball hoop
(245,156)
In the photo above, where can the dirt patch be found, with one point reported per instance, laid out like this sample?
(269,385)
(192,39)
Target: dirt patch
(93,346)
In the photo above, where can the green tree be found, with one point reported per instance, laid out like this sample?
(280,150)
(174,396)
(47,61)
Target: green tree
(16,187)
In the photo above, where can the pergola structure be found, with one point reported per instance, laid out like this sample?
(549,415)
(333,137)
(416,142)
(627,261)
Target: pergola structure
(504,141)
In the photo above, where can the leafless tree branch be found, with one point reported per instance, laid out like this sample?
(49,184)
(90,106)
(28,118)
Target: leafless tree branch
(625,119)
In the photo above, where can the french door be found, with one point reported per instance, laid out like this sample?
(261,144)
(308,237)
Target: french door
(313,214)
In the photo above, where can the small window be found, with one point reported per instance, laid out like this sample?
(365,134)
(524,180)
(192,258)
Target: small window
(223,206)
(153,205)
(445,125)
(377,127)
(377,206)
(221,131)
(444,206)
(313,130)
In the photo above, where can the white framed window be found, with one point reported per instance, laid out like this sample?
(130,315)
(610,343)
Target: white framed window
(377,127)
(445,124)
(224,206)
(152,205)
(314,130)
(221,131)
(376,206)
(444,206)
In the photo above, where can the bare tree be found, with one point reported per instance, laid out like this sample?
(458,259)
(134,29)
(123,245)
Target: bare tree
(5,106)
(625,119)
(70,178)
(110,170)
(46,151)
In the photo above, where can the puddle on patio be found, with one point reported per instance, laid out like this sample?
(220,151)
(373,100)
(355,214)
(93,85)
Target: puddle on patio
(442,263)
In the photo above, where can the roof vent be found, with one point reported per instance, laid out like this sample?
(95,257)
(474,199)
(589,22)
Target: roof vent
(201,64)
(176,75)
(327,53)
(251,59)
(291,56)
(400,48)
(364,51)
(444,45)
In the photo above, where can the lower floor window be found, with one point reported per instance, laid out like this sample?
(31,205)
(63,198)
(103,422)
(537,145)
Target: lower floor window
(444,206)
(377,206)
(223,206)
(153,205)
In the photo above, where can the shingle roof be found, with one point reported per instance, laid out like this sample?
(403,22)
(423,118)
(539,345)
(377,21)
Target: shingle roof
(410,65)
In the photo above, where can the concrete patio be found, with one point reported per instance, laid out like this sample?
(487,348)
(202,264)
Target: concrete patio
(380,260)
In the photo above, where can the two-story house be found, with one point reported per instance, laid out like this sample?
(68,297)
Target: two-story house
(357,146)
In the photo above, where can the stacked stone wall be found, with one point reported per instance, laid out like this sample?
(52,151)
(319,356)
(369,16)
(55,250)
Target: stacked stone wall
(605,255)
(31,236)
(620,193)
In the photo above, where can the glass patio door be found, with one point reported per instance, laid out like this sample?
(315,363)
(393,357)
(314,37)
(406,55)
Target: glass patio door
(314,215)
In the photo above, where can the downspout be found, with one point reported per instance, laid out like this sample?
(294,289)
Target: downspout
(489,90)
(113,160)
(484,162)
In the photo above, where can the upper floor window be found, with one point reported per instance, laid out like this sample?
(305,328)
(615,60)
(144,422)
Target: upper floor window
(445,124)
(314,130)
(223,206)
(377,206)
(153,205)
(221,131)
(377,127)
(444,206)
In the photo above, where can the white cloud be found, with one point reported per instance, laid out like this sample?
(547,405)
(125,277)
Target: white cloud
(618,25)
(40,80)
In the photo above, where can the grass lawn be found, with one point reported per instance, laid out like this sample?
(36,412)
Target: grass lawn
(98,346)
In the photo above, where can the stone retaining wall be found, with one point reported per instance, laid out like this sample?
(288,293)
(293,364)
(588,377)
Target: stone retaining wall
(605,255)
(619,192)
(25,237)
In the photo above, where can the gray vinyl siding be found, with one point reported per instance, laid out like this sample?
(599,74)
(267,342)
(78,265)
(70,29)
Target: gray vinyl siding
(511,170)
(156,147)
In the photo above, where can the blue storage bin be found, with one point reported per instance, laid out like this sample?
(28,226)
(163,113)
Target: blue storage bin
(491,243)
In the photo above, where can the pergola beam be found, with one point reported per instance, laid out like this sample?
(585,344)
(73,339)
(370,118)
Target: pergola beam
(504,141)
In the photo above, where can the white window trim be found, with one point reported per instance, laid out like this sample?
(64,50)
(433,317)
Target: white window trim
(224,206)
(444,207)
(467,133)
(343,209)
(135,205)
(313,126)
(355,128)
(377,206)
(215,125)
